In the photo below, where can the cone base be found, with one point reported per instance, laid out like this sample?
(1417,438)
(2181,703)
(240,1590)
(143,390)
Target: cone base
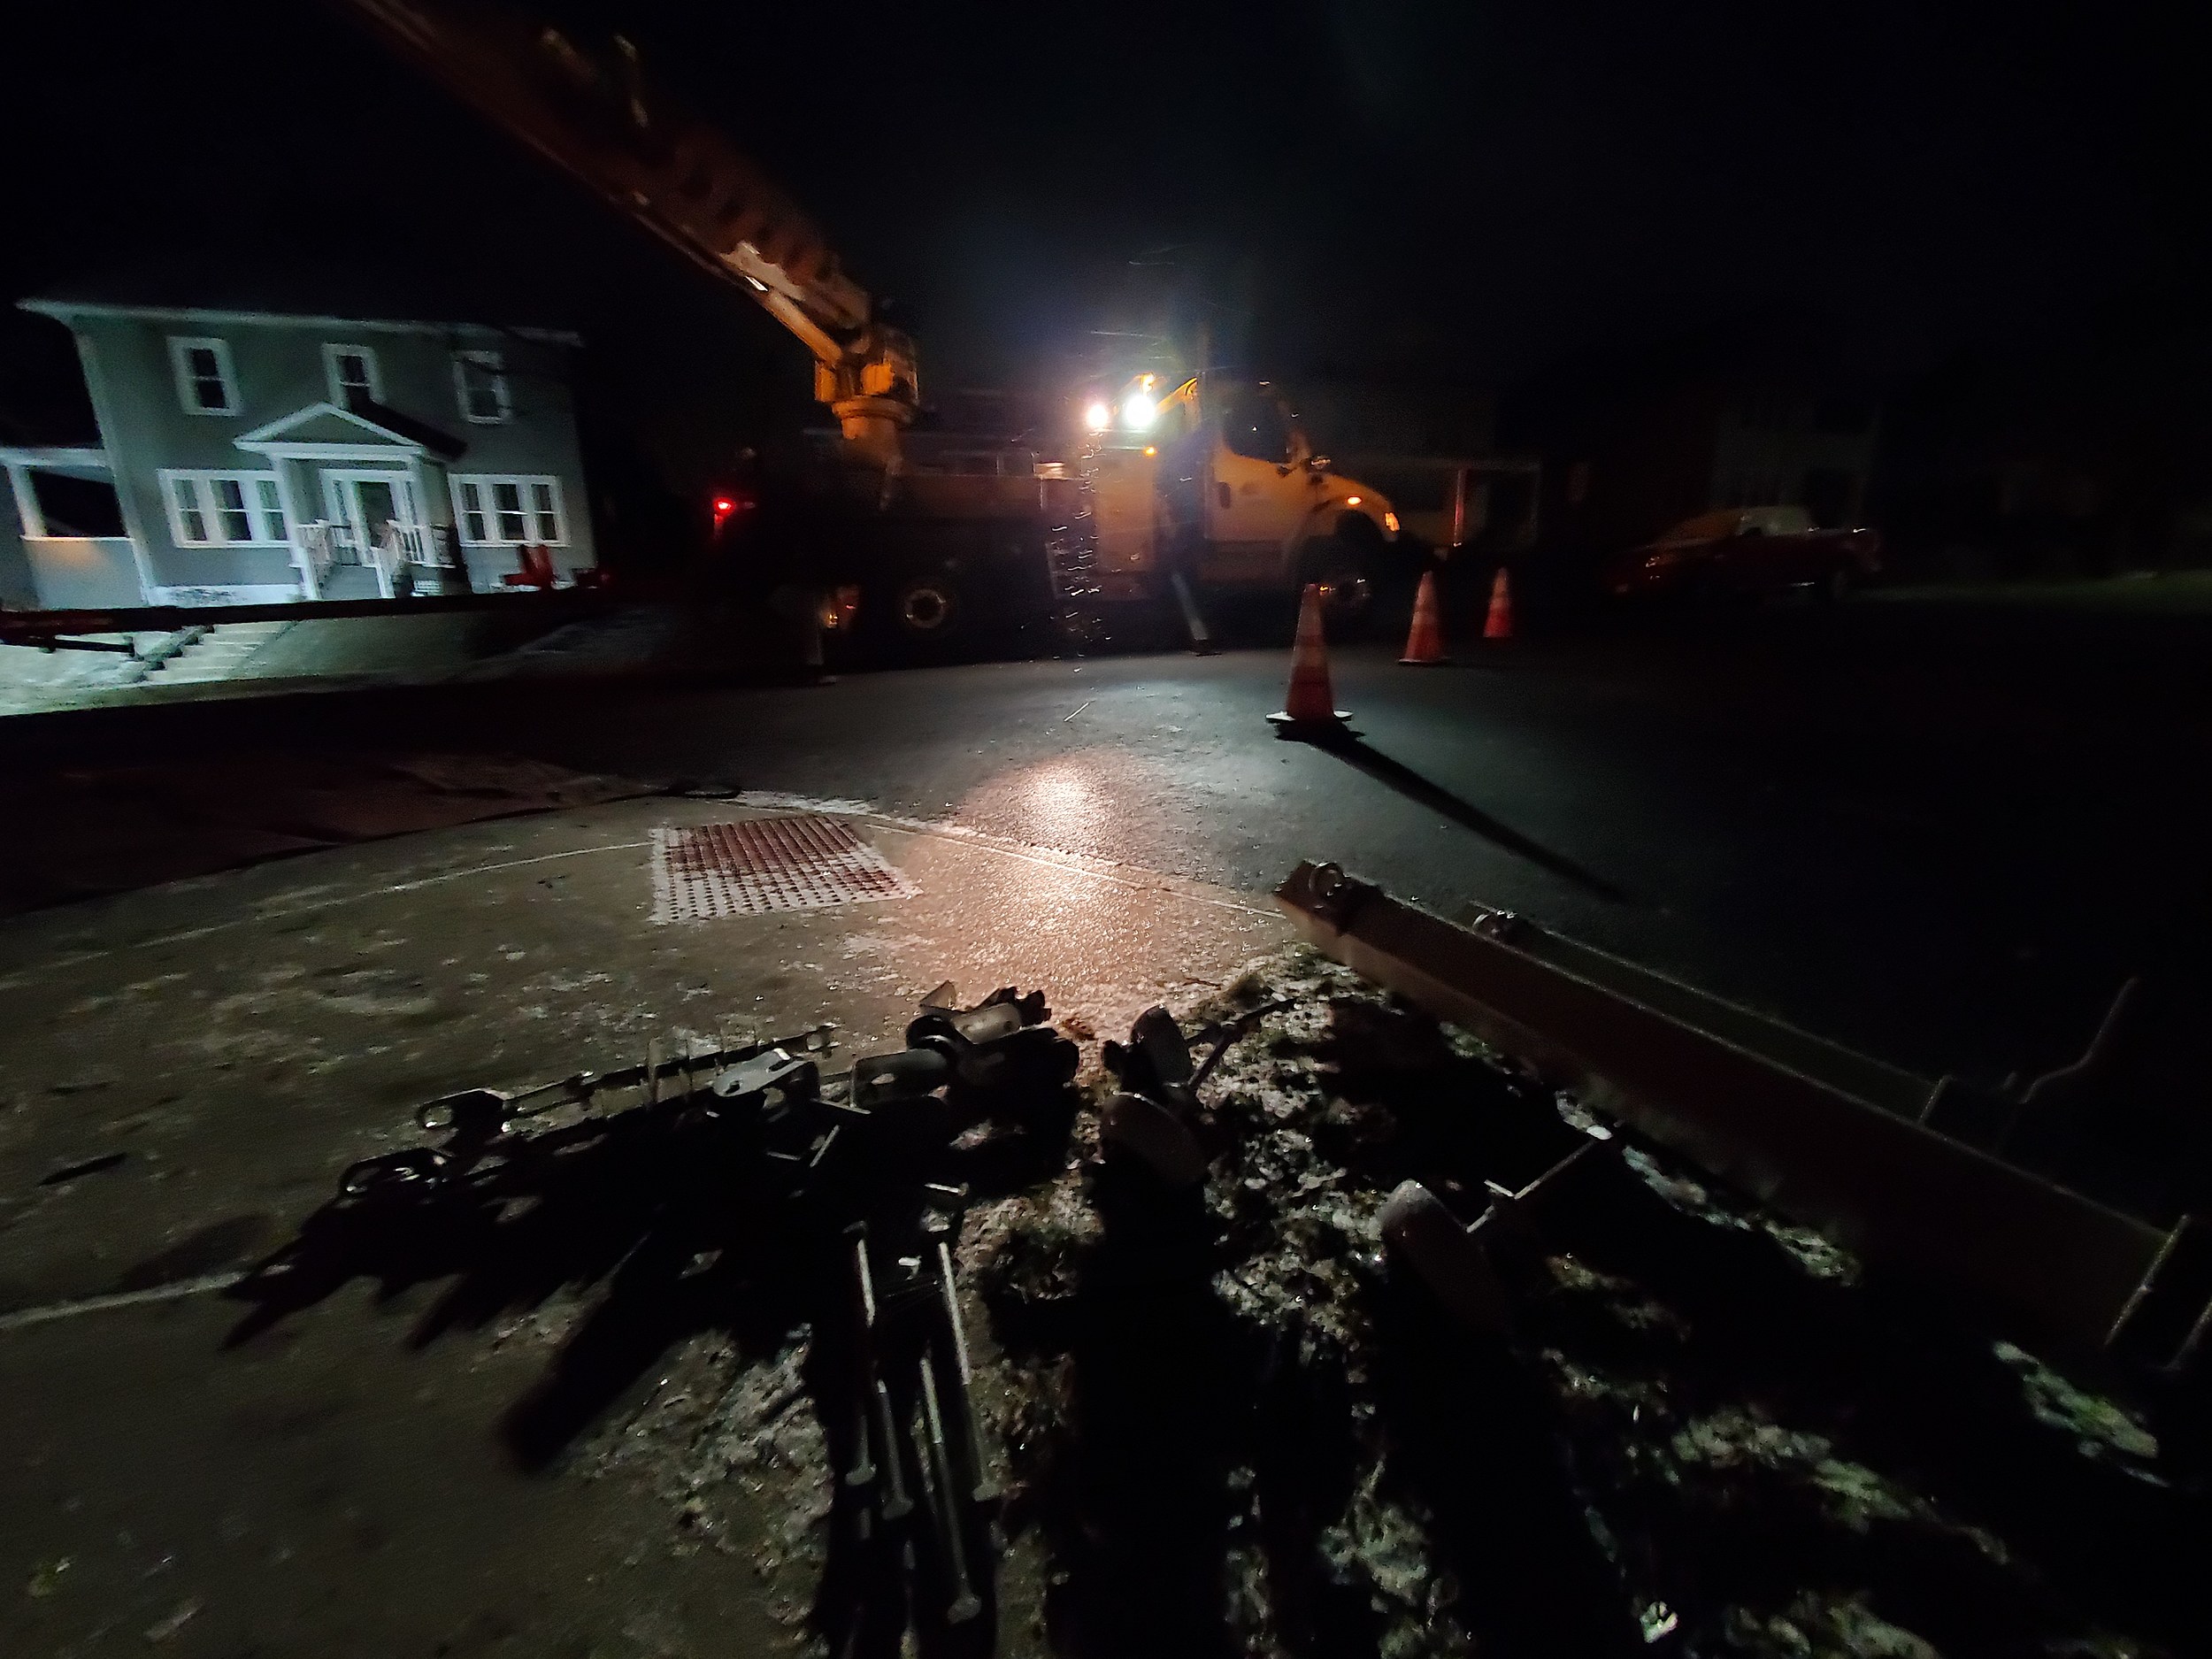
(1334,729)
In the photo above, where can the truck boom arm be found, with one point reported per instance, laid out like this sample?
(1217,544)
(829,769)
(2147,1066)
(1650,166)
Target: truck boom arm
(675,175)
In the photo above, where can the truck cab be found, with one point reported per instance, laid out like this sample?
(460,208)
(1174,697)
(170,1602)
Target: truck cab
(1218,482)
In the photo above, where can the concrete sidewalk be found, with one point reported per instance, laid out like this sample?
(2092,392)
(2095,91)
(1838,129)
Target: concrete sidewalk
(642,639)
(188,1068)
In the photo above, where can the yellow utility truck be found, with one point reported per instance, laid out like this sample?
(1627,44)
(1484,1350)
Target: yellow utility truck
(1213,488)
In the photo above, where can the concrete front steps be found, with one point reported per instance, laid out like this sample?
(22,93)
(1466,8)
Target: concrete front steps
(351,582)
(217,654)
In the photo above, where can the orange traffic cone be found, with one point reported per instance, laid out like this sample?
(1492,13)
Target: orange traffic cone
(1425,642)
(1309,706)
(1499,624)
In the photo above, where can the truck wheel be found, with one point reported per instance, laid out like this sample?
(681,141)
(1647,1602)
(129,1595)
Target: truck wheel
(926,608)
(1347,576)
(1347,595)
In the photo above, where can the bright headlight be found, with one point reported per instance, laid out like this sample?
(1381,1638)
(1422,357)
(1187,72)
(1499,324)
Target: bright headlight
(1098,416)
(1138,412)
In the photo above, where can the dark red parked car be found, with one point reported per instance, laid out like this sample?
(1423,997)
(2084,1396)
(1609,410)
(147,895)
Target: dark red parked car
(1746,550)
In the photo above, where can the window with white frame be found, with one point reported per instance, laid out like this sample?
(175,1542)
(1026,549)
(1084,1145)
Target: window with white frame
(508,509)
(206,383)
(225,509)
(480,378)
(352,374)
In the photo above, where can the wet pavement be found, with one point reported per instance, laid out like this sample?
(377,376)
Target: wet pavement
(1942,837)
(189,1069)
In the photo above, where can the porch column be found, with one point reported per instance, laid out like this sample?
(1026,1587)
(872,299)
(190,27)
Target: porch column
(27,507)
(433,499)
(311,589)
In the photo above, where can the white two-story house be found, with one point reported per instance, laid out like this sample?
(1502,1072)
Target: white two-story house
(258,457)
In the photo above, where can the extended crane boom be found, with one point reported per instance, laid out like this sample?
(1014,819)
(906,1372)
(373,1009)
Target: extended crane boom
(675,175)
(1224,493)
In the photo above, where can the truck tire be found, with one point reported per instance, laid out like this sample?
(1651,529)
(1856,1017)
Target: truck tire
(927,609)
(1344,564)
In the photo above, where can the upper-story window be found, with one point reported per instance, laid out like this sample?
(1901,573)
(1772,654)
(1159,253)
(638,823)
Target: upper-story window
(353,375)
(480,378)
(206,383)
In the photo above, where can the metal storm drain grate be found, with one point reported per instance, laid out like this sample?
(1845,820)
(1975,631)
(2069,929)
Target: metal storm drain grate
(770,863)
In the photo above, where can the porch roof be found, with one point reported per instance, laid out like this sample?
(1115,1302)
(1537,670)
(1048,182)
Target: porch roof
(69,460)
(326,432)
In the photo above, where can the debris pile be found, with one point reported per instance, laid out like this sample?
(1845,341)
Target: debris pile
(1299,1326)
(1240,1423)
(771,1237)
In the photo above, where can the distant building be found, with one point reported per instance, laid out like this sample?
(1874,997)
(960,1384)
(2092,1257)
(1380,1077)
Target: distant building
(1768,408)
(1786,446)
(253,457)
(2090,458)
(1628,461)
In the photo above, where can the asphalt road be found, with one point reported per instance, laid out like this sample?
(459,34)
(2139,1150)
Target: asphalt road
(1943,835)
(1939,834)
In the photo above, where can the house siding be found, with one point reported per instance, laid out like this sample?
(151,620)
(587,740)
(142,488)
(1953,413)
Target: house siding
(144,429)
(539,436)
(83,573)
(19,588)
(278,369)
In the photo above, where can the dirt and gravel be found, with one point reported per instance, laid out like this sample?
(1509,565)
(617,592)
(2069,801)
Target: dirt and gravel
(1228,1426)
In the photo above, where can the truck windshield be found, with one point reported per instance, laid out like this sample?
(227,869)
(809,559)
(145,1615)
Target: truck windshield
(1255,427)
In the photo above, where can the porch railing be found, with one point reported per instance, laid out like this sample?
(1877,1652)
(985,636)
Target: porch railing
(323,547)
(330,545)
(409,544)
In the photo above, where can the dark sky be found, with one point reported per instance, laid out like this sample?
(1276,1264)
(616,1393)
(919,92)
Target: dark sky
(1414,187)
(1489,183)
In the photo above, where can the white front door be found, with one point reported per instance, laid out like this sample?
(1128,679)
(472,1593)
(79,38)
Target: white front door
(361,502)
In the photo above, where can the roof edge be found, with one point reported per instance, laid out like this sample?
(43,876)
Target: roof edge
(272,433)
(53,455)
(64,311)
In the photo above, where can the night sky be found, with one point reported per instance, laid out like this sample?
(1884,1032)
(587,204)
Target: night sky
(1415,189)
(1477,185)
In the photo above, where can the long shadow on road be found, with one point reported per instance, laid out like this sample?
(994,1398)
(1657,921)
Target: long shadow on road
(1363,757)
